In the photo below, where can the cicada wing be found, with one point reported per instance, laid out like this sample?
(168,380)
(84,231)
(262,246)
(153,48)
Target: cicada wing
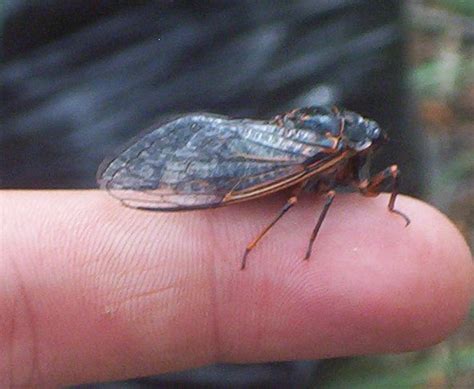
(199,160)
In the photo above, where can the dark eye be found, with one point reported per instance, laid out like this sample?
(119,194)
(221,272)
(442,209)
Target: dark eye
(373,131)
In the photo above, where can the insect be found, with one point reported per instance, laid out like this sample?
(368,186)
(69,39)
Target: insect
(202,160)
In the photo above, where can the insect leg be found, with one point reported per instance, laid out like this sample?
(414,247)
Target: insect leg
(289,204)
(329,198)
(372,188)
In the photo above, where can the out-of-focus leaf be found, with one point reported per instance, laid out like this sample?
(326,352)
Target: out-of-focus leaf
(463,7)
(425,78)
(401,371)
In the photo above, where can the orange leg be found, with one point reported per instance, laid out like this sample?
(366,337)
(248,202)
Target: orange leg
(289,204)
(329,198)
(372,187)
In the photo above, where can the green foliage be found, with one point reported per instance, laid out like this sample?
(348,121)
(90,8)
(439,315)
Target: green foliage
(425,78)
(463,7)
(400,371)
(455,171)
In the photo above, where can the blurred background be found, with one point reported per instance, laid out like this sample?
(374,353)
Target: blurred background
(78,78)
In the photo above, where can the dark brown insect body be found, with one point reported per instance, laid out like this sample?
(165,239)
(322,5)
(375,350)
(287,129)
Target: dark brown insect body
(202,160)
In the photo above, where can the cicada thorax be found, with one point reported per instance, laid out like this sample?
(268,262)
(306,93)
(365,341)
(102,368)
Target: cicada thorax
(322,120)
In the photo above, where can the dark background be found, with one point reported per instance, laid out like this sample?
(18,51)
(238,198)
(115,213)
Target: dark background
(80,77)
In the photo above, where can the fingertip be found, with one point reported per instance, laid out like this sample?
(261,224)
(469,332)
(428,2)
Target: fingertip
(371,285)
(450,270)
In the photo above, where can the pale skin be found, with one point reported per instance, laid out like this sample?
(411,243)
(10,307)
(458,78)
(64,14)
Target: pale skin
(93,291)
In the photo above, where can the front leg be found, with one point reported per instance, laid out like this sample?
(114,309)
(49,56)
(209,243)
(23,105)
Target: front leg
(373,186)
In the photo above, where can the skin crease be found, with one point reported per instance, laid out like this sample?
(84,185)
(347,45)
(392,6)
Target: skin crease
(90,290)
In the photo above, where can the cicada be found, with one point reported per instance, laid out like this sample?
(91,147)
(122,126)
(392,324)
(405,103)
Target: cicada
(201,160)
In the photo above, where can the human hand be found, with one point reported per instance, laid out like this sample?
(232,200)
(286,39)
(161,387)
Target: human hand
(90,290)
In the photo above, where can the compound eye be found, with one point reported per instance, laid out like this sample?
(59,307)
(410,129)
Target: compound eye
(373,131)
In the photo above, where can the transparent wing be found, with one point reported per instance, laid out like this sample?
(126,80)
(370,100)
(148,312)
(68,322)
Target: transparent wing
(203,160)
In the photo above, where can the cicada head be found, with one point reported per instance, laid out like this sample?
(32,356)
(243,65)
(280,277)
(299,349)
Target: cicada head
(360,133)
(334,128)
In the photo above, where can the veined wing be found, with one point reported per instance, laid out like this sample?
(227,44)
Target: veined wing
(203,160)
